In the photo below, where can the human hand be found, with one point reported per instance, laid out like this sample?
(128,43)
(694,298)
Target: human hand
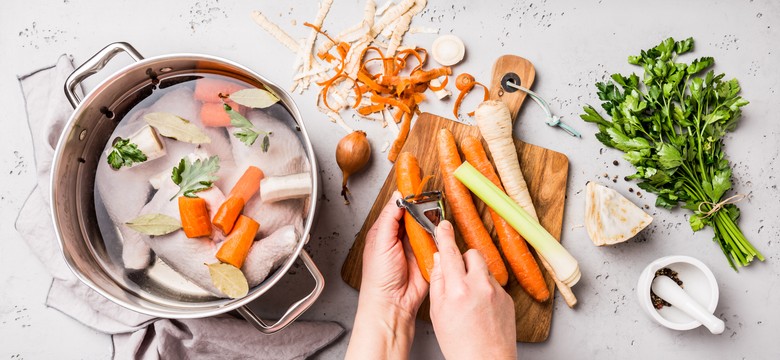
(391,290)
(391,276)
(473,317)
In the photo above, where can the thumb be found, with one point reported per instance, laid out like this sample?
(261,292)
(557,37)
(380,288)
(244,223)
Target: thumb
(437,278)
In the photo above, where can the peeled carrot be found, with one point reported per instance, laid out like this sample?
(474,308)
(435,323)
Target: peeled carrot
(214,114)
(248,185)
(463,210)
(228,213)
(407,174)
(194,217)
(515,249)
(236,247)
(208,89)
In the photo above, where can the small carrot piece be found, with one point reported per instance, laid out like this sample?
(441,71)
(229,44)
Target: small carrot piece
(236,247)
(209,89)
(463,210)
(228,213)
(407,174)
(248,185)
(214,114)
(516,252)
(194,217)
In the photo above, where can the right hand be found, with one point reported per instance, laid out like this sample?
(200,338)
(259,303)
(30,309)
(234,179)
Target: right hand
(473,317)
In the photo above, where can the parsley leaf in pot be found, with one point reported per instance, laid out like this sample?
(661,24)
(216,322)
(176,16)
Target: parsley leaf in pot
(125,153)
(195,176)
(671,125)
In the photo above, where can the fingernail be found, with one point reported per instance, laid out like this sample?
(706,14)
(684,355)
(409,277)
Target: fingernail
(396,194)
(445,225)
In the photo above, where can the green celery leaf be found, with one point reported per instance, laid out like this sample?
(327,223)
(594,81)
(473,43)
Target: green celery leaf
(696,222)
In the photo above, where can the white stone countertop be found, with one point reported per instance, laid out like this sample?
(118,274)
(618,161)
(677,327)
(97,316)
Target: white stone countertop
(573,44)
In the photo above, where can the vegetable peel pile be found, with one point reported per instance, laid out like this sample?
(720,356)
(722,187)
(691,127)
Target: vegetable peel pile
(357,69)
(671,129)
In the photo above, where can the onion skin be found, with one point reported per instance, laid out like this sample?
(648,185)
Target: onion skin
(352,154)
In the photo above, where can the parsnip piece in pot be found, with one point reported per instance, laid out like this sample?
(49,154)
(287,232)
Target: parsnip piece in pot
(610,218)
(277,188)
(149,142)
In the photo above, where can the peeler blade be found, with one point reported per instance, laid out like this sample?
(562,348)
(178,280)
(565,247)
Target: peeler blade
(427,209)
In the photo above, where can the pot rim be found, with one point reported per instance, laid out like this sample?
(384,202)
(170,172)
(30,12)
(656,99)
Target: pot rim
(219,306)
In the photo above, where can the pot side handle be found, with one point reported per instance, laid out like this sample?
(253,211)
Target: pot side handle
(296,309)
(96,63)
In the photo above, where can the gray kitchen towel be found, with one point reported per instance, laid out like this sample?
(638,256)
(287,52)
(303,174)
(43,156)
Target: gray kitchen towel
(135,336)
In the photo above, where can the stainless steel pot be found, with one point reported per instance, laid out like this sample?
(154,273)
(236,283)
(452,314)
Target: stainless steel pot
(73,174)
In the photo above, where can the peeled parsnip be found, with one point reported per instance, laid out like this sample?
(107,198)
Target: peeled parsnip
(149,142)
(495,124)
(278,188)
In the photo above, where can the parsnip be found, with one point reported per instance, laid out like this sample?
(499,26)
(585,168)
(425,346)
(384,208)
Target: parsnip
(278,188)
(149,142)
(306,52)
(495,125)
(276,32)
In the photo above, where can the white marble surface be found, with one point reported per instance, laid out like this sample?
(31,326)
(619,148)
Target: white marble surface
(572,44)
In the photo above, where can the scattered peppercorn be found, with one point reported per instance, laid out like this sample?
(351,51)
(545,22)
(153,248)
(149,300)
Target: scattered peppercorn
(616,163)
(630,190)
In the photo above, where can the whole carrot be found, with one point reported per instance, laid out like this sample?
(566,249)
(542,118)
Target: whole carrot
(463,210)
(228,213)
(515,249)
(194,217)
(407,175)
(236,247)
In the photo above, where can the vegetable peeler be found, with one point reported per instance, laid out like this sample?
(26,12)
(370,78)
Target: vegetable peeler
(426,208)
(511,83)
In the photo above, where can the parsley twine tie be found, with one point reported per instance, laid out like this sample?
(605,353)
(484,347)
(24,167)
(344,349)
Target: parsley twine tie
(717,206)
(552,120)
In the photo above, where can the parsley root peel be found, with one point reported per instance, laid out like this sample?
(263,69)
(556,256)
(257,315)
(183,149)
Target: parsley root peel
(671,127)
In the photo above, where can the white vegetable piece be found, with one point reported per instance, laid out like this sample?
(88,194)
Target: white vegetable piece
(448,50)
(610,218)
(278,188)
(441,93)
(149,142)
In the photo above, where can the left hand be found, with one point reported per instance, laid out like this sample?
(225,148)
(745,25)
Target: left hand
(391,291)
(391,276)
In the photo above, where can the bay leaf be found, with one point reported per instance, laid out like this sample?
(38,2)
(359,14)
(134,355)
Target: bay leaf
(172,126)
(254,98)
(154,224)
(229,280)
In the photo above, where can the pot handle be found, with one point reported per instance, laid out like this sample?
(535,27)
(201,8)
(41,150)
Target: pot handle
(96,63)
(296,309)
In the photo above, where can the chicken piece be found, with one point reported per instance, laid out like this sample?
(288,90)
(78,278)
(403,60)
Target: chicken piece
(187,256)
(126,191)
(285,154)
(269,253)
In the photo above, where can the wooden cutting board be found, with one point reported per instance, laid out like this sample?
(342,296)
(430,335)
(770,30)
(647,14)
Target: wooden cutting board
(545,171)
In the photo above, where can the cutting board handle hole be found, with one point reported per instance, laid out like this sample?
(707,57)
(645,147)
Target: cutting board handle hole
(510,78)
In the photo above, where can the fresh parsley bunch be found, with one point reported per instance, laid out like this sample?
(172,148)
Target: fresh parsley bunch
(670,127)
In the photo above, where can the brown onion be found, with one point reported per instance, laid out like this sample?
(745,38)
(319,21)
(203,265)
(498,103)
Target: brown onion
(352,154)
